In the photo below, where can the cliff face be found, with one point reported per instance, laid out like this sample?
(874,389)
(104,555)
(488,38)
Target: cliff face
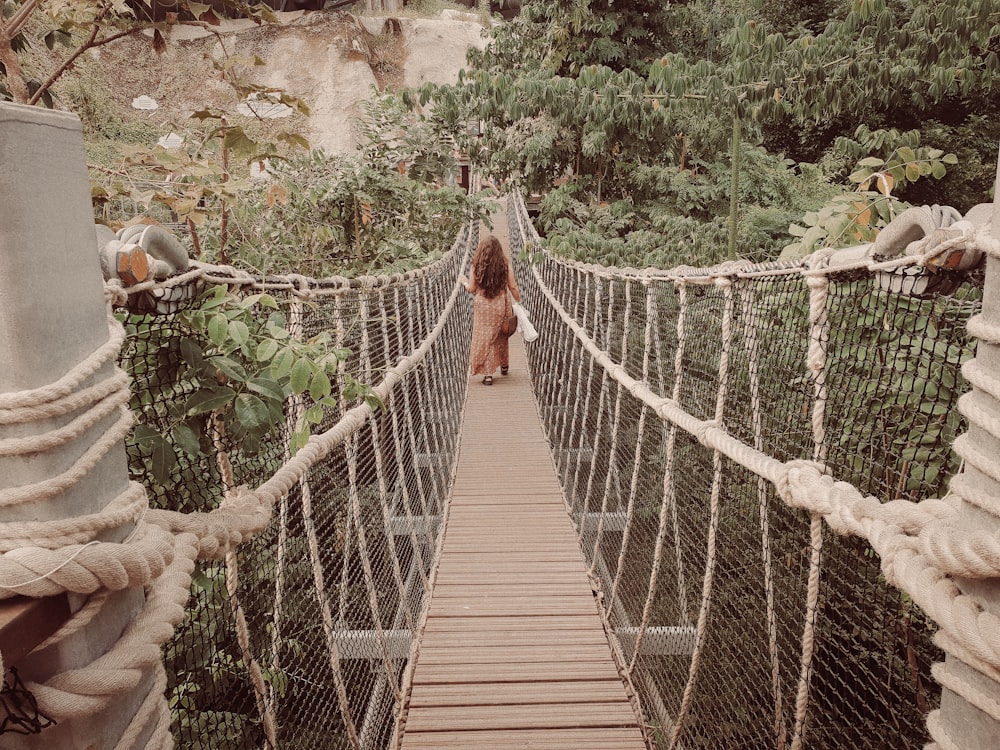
(331,60)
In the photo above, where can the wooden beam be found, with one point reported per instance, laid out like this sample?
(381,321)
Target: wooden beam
(26,622)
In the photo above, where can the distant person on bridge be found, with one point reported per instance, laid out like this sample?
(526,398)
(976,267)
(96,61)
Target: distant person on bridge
(492,275)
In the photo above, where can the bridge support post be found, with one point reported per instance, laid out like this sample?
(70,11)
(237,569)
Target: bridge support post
(966,684)
(52,318)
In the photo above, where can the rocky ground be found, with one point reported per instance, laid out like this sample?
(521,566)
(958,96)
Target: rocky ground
(329,59)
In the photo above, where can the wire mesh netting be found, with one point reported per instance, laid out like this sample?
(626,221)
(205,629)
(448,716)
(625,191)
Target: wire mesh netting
(705,571)
(300,638)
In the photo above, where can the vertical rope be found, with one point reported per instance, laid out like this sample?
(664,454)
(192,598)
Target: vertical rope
(763,492)
(404,490)
(329,627)
(641,430)
(599,325)
(354,494)
(669,503)
(571,395)
(579,438)
(615,422)
(411,432)
(228,480)
(294,412)
(425,389)
(390,538)
(819,331)
(706,593)
(344,527)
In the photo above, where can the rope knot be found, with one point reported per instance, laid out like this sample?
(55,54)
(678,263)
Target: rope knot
(238,497)
(115,294)
(794,475)
(817,281)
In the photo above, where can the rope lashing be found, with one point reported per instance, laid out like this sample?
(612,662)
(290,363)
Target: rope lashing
(82,692)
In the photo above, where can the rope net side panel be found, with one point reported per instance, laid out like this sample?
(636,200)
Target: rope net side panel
(300,637)
(742,621)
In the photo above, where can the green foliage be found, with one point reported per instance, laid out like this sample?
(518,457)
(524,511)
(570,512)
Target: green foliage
(328,216)
(236,363)
(577,91)
(855,218)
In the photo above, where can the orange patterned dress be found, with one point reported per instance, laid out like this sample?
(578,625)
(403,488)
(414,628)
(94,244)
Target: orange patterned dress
(489,346)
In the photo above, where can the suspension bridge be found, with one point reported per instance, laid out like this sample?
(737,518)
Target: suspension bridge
(740,506)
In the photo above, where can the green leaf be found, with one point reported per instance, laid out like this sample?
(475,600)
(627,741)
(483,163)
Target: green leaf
(186,439)
(252,412)
(314,414)
(266,387)
(191,352)
(208,400)
(144,437)
(301,374)
(239,332)
(162,460)
(266,350)
(239,143)
(282,363)
(230,368)
(299,439)
(938,170)
(320,385)
(218,329)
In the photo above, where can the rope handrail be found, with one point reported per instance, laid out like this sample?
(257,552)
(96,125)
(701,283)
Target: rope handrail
(161,551)
(916,541)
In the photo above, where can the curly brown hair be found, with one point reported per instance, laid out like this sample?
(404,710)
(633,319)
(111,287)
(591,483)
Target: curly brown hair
(489,266)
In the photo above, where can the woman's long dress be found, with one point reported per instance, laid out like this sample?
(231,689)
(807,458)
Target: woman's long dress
(489,346)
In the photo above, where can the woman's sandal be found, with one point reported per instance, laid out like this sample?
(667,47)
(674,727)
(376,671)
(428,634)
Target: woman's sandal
(504,370)
(488,380)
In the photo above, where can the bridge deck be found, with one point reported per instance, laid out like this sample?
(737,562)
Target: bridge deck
(513,653)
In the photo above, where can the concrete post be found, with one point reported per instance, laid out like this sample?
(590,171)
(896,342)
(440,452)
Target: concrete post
(52,317)
(969,727)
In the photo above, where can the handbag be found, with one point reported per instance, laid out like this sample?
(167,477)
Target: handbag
(509,323)
(528,331)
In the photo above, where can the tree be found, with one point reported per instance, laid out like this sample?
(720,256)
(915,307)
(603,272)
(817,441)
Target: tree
(587,120)
(83,25)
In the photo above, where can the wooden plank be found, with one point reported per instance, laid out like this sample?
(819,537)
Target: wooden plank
(540,671)
(522,653)
(512,639)
(502,623)
(563,605)
(517,693)
(545,739)
(506,589)
(528,716)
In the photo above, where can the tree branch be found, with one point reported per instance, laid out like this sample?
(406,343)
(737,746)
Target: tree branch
(19,18)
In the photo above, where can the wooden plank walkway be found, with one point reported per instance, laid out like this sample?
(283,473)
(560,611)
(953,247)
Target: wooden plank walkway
(513,653)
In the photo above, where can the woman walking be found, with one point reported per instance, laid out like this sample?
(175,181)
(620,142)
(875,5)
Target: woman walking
(492,275)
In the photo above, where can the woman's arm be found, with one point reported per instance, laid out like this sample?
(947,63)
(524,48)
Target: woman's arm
(512,282)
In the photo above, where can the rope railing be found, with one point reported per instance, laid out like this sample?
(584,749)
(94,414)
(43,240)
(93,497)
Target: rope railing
(791,397)
(283,586)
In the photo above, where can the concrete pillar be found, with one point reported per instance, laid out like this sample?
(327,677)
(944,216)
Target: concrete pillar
(52,316)
(969,727)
